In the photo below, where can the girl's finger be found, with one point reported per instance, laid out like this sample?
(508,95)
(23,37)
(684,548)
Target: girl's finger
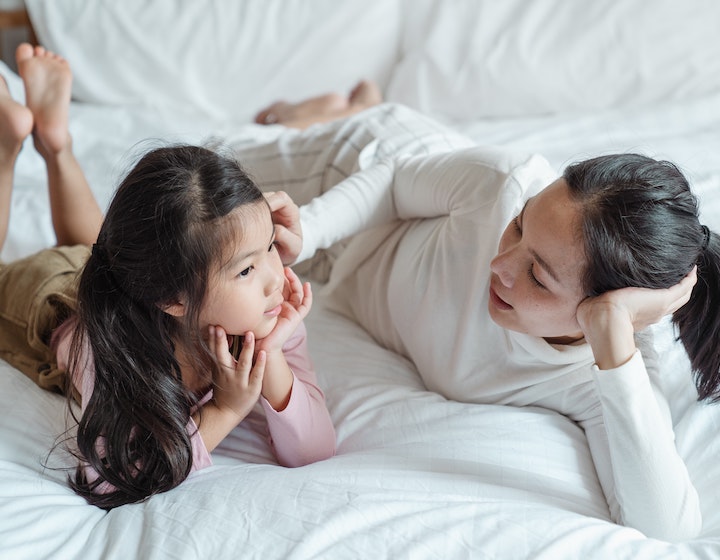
(295,294)
(218,341)
(307,300)
(258,372)
(244,363)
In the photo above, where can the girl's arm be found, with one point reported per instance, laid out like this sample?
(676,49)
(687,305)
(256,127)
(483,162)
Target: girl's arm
(303,431)
(632,441)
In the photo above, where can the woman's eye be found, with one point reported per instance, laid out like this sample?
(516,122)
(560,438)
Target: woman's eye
(245,272)
(533,279)
(516,223)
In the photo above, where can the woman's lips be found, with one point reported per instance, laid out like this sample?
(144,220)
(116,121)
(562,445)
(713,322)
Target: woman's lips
(498,302)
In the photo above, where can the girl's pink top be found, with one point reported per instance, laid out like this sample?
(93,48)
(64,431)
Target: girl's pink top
(302,433)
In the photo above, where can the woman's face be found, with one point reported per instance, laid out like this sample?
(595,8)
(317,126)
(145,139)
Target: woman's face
(535,282)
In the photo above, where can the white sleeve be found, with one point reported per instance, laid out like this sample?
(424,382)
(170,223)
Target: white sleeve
(645,480)
(361,201)
(411,187)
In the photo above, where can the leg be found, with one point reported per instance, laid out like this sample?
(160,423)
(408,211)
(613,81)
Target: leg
(15,123)
(75,213)
(323,108)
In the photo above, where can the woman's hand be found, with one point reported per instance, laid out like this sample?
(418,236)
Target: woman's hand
(236,384)
(285,215)
(609,320)
(297,304)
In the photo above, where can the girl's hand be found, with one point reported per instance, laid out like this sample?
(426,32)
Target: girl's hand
(297,304)
(609,320)
(237,384)
(285,215)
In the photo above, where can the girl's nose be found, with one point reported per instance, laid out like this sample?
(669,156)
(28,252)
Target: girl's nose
(502,266)
(275,276)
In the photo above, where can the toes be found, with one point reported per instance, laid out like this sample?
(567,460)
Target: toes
(23,52)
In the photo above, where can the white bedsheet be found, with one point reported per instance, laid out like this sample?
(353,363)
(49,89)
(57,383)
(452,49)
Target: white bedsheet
(416,476)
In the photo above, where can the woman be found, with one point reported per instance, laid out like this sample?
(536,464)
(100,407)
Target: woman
(506,285)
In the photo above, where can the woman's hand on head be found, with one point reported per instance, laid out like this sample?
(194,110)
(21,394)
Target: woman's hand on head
(285,215)
(236,383)
(609,320)
(297,304)
(641,306)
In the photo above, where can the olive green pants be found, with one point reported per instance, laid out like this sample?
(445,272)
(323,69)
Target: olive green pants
(37,293)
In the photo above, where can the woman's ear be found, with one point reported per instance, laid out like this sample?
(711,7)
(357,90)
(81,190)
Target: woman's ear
(176,309)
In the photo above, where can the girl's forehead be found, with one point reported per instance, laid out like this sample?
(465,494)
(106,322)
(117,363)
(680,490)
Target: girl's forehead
(247,228)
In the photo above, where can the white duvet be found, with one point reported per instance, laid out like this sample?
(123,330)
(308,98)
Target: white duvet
(416,476)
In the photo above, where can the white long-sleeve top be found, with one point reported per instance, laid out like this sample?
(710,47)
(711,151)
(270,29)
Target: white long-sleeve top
(418,281)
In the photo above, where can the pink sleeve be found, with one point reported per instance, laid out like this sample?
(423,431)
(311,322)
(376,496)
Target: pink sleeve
(201,456)
(303,432)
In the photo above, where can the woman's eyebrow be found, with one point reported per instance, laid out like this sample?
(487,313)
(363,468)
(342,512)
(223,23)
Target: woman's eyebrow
(545,266)
(542,262)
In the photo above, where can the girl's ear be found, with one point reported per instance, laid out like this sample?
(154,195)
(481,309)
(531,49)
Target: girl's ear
(176,309)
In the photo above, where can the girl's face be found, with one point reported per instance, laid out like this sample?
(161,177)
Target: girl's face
(535,282)
(246,292)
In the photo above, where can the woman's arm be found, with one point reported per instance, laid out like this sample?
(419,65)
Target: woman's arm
(417,187)
(632,441)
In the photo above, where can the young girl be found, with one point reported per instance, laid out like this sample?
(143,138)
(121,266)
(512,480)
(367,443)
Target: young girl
(505,284)
(185,263)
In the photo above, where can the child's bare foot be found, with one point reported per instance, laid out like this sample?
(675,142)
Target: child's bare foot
(48,83)
(16,123)
(322,108)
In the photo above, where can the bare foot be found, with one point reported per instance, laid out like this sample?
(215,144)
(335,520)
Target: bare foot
(364,95)
(16,123)
(48,82)
(323,108)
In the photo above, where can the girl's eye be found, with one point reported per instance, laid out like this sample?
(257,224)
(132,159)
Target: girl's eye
(245,272)
(534,280)
(272,246)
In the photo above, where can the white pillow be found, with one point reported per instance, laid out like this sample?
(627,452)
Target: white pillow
(485,58)
(226,58)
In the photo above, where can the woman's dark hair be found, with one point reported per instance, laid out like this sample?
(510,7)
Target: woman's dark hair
(165,229)
(641,228)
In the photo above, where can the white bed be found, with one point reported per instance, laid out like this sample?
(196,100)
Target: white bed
(416,476)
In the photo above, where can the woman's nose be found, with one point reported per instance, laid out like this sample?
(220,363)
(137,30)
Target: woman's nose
(502,266)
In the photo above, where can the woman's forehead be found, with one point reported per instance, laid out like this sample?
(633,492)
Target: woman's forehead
(552,221)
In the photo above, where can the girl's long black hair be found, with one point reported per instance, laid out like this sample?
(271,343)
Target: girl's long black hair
(164,231)
(640,223)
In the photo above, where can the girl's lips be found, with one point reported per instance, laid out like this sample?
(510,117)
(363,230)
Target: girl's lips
(275,311)
(498,302)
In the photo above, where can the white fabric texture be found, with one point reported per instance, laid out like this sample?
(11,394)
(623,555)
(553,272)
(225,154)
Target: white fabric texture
(467,59)
(173,54)
(417,475)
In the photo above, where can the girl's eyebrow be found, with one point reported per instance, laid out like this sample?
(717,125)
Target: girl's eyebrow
(239,257)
